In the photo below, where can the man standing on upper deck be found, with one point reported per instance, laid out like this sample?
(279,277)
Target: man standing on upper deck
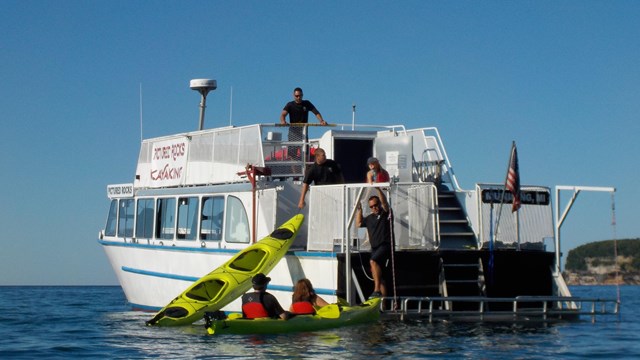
(298,111)
(323,172)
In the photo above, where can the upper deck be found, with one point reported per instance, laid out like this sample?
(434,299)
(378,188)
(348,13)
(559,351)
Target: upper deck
(444,214)
(217,156)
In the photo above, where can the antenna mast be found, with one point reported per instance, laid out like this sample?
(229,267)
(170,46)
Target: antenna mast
(140,112)
(231,107)
(353,116)
(203,86)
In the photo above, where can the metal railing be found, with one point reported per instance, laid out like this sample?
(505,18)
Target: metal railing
(522,308)
(286,147)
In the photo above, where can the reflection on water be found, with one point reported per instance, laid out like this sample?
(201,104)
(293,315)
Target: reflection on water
(414,338)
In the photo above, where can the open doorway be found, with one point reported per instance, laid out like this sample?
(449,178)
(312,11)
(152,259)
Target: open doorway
(352,155)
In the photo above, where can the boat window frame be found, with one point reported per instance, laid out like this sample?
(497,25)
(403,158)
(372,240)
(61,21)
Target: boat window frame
(217,213)
(110,228)
(232,204)
(192,210)
(148,232)
(125,230)
(161,230)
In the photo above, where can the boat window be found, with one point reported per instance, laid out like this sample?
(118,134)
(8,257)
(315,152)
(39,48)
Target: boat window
(125,218)
(211,218)
(166,218)
(110,229)
(187,219)
(144,219)
(237,223)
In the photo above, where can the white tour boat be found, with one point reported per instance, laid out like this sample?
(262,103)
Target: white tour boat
(197,198)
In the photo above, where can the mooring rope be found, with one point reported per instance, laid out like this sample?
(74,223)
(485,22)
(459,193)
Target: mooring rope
(615,244)
(393,269)
(393,263)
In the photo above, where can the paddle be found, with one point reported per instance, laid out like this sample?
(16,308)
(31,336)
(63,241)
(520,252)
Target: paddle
(331,311)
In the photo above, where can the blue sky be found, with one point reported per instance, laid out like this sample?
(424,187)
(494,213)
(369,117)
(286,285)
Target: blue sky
(561,78)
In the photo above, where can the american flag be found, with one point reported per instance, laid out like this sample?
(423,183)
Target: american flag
(513,178)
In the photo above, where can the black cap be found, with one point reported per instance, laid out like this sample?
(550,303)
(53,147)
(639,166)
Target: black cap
(260,280)
(372,160)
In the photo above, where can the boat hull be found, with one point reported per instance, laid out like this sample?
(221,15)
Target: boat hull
(229,281)
(367,312)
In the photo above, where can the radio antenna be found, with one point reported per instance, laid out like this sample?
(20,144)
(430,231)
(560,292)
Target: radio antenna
(231,107)
(140,112)
(353,116)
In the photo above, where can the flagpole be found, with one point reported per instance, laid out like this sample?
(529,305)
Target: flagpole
(504,189)
(518,228)
(491,244)
(511,184)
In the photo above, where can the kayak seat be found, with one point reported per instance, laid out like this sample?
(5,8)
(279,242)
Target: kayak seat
(249,260)
(281,234)
(207,290)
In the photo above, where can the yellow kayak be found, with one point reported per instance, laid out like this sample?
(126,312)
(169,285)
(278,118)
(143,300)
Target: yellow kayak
(229,281)
(327,317)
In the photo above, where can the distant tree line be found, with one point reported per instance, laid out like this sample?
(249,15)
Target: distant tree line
(602,253)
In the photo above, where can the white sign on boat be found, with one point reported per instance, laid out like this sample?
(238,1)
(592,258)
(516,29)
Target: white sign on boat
(119,191)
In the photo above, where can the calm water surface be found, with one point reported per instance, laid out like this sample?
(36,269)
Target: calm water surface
(86,322)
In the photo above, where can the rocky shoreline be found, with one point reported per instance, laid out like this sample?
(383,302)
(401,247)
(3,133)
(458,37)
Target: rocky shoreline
(599,278)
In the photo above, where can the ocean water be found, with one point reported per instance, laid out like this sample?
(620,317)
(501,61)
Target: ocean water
(95,322)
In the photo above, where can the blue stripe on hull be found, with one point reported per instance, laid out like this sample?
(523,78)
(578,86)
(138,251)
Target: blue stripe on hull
(298,253)
(274,287)
(160,275)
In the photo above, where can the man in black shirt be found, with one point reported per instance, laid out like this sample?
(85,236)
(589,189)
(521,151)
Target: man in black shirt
(378,225)
(298,111)
(323,172)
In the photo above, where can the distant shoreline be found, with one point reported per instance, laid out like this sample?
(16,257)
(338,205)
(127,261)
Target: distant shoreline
(589,278)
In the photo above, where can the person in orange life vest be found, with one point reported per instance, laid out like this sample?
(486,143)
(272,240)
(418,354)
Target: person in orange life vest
(376,173)
(259,303)
(304,299)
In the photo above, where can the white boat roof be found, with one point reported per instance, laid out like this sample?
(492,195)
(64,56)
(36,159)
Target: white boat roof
(210,156)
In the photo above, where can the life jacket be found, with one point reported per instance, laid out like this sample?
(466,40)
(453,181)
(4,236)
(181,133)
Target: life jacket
(303,308)
(253,310)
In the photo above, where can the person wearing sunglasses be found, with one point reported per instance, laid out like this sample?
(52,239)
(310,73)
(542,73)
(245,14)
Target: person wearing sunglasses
(378,224)
(298,111)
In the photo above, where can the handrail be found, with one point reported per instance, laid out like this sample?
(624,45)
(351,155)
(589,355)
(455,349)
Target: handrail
(453,176)
(563,307)
(374,127)
(347,246)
